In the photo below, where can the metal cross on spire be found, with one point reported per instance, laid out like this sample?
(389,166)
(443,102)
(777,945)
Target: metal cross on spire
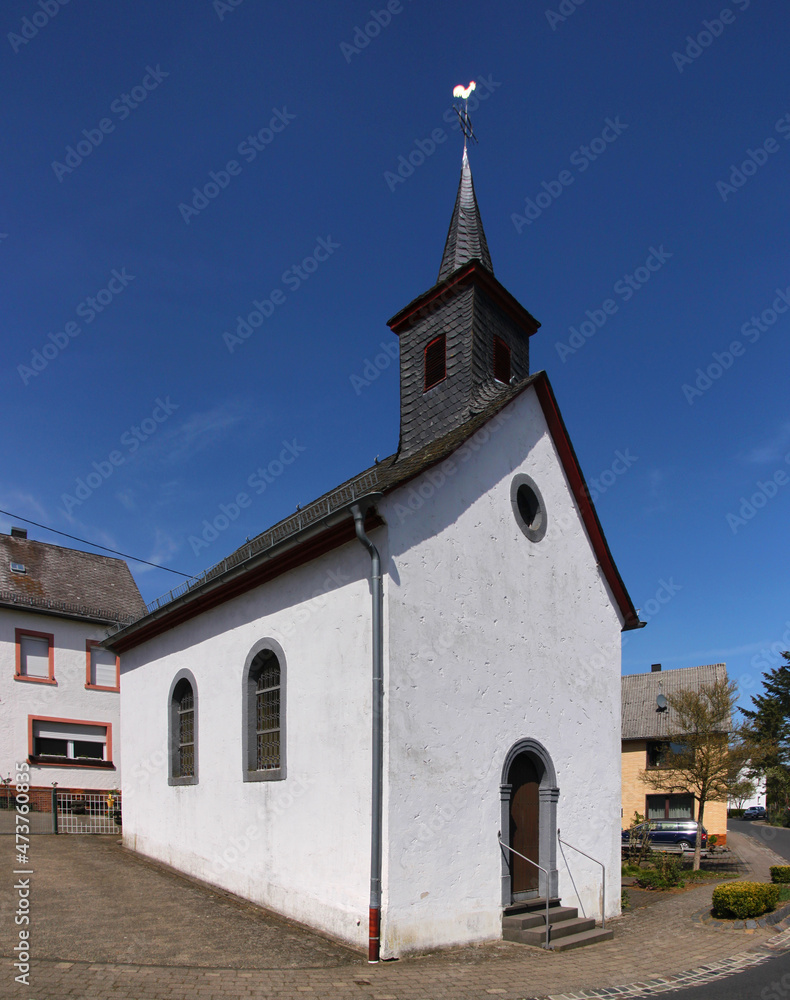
(462,93)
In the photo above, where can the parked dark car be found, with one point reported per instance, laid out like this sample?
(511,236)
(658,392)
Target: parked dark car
(669,834)
(754,812)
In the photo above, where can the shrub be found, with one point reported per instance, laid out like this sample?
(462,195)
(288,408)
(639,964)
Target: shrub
(780,873)
(734,813)
(743,900)
(666,875)
(651,879)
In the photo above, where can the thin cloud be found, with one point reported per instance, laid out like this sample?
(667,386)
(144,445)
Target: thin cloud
(197,432)
(771,451)
(25,505)
(720,655)
(164,548)
(658,495)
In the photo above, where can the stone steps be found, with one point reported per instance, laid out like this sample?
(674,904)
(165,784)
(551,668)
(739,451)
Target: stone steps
(525,923)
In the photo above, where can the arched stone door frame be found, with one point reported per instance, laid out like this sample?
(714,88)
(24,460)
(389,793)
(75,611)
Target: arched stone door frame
(548,795)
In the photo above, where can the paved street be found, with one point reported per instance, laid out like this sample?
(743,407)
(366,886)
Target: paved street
(768,981)
(109,925)
(774,837)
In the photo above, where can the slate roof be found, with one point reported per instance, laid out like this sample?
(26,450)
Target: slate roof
(640,716)
(466,239)
(383,477)
(466,285)
(380,478)
(66,581)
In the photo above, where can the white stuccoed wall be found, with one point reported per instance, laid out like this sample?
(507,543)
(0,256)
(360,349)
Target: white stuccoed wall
(68,699)
(493,638)
(300,846)
(489,638)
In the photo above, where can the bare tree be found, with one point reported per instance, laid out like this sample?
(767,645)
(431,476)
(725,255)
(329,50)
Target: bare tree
(741,789)
(705,748)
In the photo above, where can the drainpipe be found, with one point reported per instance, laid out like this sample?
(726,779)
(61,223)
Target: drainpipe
(374,932)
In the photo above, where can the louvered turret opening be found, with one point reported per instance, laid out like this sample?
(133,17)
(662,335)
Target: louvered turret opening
(435,362)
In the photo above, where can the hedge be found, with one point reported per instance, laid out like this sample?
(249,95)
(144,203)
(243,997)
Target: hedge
(743,900)
(780,873)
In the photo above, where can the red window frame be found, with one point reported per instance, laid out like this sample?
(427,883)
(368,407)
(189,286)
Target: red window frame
(18,675)
(433,361)
(89,645)
(33,759)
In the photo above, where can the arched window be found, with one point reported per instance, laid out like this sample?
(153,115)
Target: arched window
(264,713)
(183,730)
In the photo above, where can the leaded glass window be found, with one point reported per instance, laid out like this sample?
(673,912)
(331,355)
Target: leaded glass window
(267,711)
(185,709)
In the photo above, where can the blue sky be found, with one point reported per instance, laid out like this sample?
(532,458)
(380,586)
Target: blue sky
(632,176)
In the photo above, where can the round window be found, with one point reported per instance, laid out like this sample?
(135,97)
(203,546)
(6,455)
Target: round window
(528,507)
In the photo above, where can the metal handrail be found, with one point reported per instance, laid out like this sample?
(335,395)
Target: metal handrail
(547,945)
(603,875)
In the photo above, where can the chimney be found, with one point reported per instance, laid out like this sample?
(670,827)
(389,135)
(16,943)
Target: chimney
(18,532)
(655,667)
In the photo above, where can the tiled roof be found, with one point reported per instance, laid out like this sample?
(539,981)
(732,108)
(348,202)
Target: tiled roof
(640,716)
(466,239)
(67,581)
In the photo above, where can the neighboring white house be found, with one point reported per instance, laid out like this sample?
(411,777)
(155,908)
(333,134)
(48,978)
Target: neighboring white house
(757,799)
(59,689)
(248,701)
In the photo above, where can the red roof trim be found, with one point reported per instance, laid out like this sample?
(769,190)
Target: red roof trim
(570,464)
(334,537)
(440,293)
(247,580)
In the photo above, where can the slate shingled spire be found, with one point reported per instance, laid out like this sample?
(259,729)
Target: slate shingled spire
(466,239)
(464,342)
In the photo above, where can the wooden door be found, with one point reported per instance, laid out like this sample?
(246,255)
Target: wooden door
(524,807)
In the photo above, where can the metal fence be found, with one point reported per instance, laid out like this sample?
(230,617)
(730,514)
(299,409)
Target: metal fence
(52,811)
(93,812)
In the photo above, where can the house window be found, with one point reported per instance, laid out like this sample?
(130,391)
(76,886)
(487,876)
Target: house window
(660,752)
(501,361)
(102,668)
(435,362)
(670,806)
(35,656)
(183,730)
(263,696)
(69,742)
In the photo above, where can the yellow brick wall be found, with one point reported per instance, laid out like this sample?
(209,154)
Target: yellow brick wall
(634,759)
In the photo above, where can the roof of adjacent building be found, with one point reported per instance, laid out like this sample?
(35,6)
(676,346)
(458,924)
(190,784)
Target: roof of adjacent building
(641,718)
(66,582)
(312,530)
(466,239)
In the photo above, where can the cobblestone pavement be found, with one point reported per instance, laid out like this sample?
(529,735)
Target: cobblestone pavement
(110,926)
